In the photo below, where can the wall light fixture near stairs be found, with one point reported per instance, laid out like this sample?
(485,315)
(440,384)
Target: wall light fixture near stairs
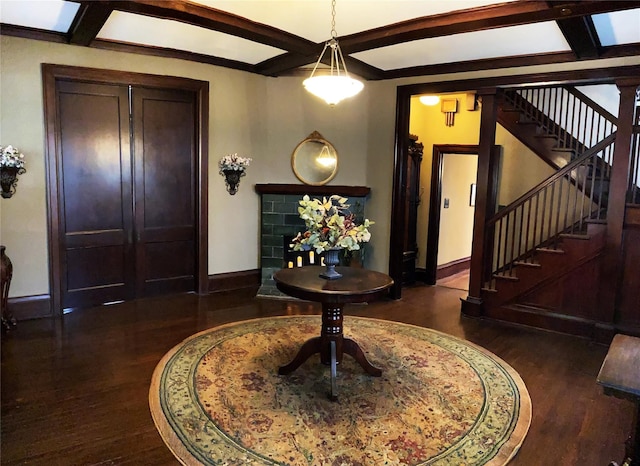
(449,108)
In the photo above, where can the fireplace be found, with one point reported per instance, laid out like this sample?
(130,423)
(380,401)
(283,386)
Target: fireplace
(280,222)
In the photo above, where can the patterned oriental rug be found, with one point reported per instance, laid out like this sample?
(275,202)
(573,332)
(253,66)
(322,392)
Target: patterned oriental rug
(217,398)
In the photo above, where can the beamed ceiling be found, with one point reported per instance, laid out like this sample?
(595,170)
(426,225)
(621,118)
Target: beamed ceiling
(381,39)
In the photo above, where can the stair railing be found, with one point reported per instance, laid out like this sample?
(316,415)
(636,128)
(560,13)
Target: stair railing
(561,204)
(573,119)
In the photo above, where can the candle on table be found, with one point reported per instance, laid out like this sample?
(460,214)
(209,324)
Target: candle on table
(299,261)
(312,259)
(290,265)
(322,261)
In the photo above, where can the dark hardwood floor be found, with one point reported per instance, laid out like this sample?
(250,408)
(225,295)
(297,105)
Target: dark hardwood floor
(74,390)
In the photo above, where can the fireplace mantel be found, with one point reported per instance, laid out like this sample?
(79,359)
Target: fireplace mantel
(302,189)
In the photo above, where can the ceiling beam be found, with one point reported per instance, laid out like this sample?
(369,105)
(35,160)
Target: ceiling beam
(87,23)
(215,20)
(287,64)
(476,19)
(172,53)
(579,31)
(519,61)
(581,35)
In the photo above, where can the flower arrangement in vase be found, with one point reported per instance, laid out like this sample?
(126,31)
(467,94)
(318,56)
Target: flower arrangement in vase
(11,165)
(233,167)
(330,228)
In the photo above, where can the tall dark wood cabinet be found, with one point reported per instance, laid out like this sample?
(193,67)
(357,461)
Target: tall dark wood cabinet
(412,196)
(126,181)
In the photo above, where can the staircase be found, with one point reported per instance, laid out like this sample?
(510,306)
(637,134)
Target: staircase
(559,225)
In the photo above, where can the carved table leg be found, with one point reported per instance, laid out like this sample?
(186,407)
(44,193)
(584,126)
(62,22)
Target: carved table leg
(309,348)
(354,350)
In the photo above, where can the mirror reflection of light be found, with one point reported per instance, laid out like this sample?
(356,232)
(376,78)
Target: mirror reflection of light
(325,158)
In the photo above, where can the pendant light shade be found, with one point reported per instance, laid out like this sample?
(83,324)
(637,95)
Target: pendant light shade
(332,89)
(336,85)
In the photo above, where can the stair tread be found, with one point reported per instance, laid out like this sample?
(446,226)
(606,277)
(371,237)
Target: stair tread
(583,236)
(489,290)
(512,278)
(528,264)
(550,250)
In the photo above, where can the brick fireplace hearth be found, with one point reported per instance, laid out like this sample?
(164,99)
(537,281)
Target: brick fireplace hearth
(280,222)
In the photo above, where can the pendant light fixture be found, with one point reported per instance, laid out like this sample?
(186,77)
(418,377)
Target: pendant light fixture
(337,85)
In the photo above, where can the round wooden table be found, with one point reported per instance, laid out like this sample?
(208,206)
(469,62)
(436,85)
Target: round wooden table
(357,285)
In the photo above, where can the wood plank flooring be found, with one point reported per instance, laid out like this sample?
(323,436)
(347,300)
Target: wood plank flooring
(74,390)
(459,281)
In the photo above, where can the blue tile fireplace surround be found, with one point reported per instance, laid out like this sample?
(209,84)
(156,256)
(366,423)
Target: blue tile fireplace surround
(280,222)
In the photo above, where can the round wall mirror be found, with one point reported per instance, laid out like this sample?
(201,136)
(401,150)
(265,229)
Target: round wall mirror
(315,160)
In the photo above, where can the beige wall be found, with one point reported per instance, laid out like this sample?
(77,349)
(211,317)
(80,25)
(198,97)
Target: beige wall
(263,118)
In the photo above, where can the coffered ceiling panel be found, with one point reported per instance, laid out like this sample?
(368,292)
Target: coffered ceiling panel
(515,40)
(138,29)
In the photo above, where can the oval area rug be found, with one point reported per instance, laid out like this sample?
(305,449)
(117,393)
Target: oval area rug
(217,398)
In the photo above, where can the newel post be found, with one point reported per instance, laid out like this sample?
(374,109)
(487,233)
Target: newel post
(613,260)
(485,188)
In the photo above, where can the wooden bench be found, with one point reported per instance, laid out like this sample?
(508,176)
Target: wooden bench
(620,377)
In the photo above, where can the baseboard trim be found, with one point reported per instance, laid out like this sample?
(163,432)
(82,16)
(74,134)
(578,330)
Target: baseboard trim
(544,319)
(30,307)
(453,267)
(39,306)
(234,280)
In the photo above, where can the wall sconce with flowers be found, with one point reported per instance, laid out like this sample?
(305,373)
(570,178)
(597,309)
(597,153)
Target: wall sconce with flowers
(11,165)
(233,167)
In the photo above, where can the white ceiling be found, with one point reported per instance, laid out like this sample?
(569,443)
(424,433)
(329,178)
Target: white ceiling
(311,20)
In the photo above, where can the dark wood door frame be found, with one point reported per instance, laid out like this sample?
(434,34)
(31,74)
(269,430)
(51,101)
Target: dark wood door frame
(433,232)
(52,73)
(403,108)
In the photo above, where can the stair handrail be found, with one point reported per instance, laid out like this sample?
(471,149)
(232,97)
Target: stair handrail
(593,104)
(550,106)
(547,182)
(536,219)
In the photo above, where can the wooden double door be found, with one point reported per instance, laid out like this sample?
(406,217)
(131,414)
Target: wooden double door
(126,191)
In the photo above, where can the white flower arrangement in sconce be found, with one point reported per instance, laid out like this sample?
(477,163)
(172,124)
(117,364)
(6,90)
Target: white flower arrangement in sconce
(233,167)
(11,165)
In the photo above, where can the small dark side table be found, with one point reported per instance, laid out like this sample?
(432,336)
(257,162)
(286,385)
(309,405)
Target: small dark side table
(357,285)
(620,377)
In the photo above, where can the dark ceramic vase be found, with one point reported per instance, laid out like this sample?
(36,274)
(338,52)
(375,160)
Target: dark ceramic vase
(331,259)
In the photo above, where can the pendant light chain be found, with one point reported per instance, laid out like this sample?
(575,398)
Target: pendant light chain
(334,34)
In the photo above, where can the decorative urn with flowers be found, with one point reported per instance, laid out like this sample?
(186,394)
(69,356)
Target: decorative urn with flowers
(233,167)
(11,165)
(331,227)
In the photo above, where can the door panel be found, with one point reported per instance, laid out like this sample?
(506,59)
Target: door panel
(165,190)
(95,184)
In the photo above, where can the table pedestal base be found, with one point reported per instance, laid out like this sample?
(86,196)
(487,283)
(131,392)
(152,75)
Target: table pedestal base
(331,345)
